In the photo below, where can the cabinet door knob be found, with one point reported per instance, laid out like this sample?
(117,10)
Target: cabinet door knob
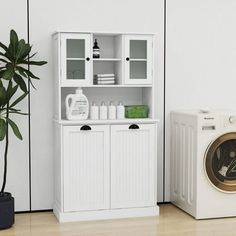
(85,127)
(133,126)
(127,58)
(87,59)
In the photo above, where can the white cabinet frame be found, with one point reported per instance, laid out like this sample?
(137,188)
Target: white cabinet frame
(149,59)
(87,59)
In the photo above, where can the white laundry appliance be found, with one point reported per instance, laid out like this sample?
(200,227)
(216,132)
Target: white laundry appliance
(203,163)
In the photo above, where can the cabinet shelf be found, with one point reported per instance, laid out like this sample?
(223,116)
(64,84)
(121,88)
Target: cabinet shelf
(112,86)
(132,59)
(75,59)
(106,59)
(100,122)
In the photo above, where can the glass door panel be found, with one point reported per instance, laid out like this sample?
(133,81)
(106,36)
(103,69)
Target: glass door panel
(138,56)
(138,69)
(138,49)
(76,69)
(75,48)
(76,53)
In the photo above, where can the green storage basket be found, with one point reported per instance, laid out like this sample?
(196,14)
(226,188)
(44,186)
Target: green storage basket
(136,111)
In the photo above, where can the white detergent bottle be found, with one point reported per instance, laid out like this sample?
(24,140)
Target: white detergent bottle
(77,106)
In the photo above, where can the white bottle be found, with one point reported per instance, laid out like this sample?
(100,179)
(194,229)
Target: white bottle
(103,111)
(94,111)
(112,111)
(120,111)
(77,106)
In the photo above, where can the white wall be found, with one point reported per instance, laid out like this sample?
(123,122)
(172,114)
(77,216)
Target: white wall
(201,58)
(13,16)
(77,15)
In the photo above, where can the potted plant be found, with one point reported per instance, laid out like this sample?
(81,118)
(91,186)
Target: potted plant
(15,73)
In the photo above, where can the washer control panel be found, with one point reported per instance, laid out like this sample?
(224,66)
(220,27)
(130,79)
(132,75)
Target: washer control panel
(208,122)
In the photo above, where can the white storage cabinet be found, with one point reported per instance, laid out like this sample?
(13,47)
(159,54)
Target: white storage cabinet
(104,169)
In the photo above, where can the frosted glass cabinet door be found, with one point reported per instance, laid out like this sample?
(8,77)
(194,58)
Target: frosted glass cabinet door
(138,59)
(75,59)
(133,166)
(86,168)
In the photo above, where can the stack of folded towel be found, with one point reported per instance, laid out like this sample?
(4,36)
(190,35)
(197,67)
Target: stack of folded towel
(104,79)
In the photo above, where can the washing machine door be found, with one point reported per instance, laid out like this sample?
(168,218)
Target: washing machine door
(220,162)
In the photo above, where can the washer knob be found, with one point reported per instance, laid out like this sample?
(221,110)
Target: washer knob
(232,119)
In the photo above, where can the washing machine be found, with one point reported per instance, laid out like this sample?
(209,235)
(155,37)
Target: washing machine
(203,163)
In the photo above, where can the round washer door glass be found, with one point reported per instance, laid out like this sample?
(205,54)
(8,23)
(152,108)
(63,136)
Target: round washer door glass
(220,162)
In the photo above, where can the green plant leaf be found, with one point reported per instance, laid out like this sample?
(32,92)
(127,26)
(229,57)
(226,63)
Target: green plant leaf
(11,90)
(26,52)
(3,128)
(8,74)
(32,55)
(19,99)
(5,55)
(13,43)
(36,63)
(2,96)
(31,83)
(3,60)
(29,73)
(15,129)
(21,71)
(1,73)
(3,46)
(18,79)
(20,49)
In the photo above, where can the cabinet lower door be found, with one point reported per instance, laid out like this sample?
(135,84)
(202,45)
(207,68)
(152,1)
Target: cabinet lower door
(86,168)
(133,166)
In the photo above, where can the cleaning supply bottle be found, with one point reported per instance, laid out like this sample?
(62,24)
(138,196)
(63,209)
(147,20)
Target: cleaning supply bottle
(112,111)
(103,111)
(94,111)
(120,111)
(77,106)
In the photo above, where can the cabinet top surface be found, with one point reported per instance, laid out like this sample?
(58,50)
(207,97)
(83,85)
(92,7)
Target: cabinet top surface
(101,122)
(101,32)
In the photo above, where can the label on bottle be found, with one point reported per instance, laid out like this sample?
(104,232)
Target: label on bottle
(79,108)
(96,53)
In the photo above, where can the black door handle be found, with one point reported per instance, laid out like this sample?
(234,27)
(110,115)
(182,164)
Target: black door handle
(133,126)
(87,59)
(85,127)
(127,58)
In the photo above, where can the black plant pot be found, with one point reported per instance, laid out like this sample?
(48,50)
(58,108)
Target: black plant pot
(7,217)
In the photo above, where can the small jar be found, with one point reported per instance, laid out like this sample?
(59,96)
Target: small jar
(120,111)
(94,110)
(112,111)
(103,111)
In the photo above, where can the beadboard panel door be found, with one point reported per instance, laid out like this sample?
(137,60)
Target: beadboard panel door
(86,168)
(14,16)
(133,166)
